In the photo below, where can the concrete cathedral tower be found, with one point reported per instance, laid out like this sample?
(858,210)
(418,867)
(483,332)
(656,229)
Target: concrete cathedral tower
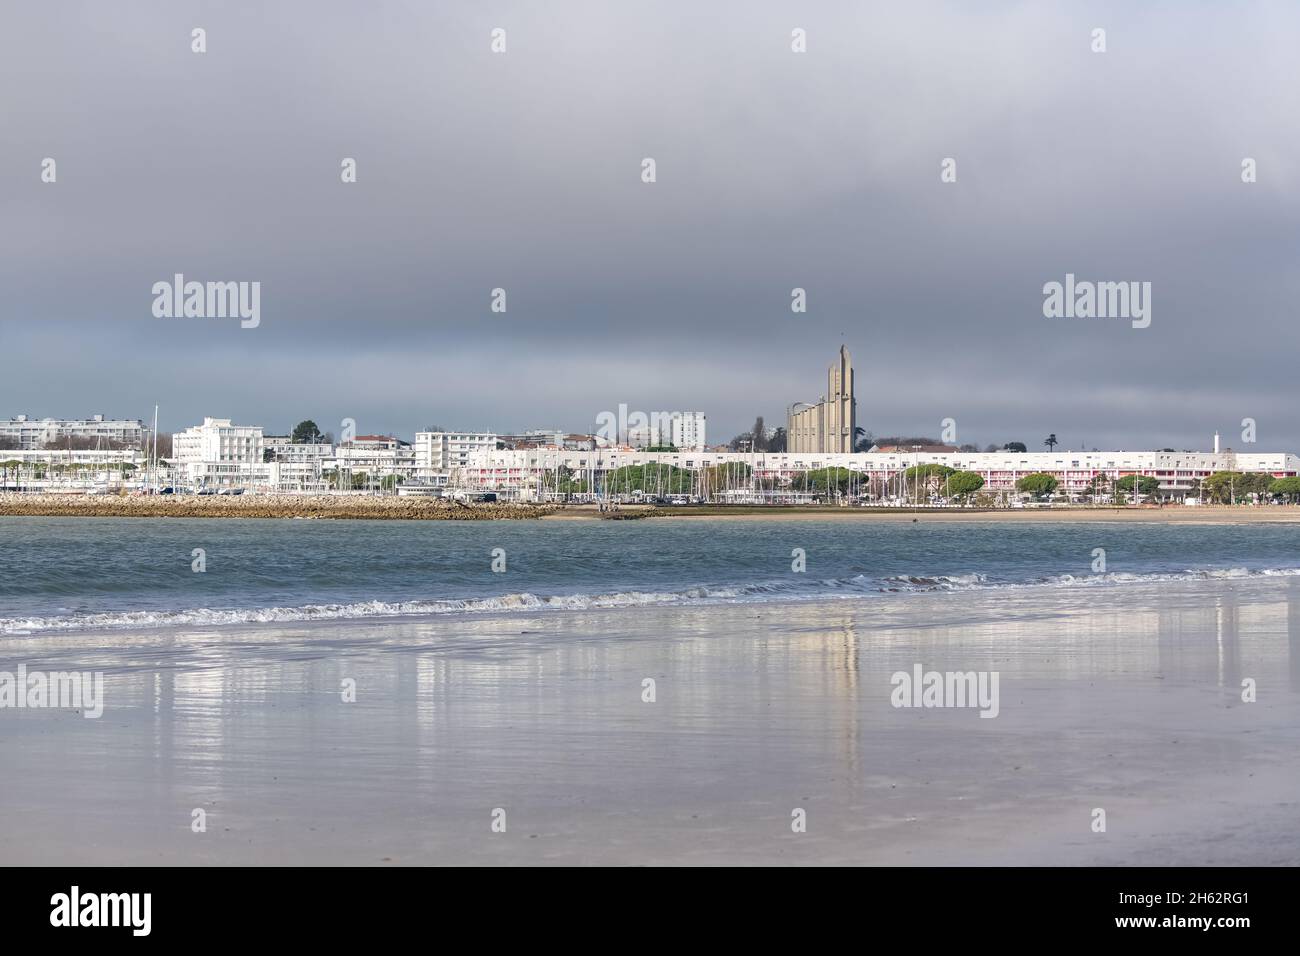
(829,425)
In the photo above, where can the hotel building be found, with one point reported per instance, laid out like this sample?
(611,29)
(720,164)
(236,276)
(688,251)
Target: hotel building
(218,454)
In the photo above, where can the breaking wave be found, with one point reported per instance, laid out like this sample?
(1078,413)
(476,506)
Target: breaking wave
(854,586)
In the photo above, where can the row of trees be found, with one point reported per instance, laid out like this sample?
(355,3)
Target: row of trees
(917,483)
(1222,487)
(759,438)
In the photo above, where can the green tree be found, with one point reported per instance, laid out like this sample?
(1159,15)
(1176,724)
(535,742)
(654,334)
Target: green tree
(1225,487)
(1015,446)
(1039,484)
(1255,483)
(834,481)
(306,433)
(650,479)
(1146,485)
(920,480)
(1051,442)
(923,472)
(12,465)
(963,484)
(1288,488)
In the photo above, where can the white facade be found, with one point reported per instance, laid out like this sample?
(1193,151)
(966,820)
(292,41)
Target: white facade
(45,470)
(35,434)
(1177,472)
(684,430)
(218,454)
(298,451)
(438,454)
(376,456)
(297,466)
(689,431)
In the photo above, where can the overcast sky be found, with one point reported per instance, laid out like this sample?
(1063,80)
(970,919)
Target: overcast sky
(775,169)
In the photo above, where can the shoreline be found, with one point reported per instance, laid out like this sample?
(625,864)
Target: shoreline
(391,508)
(394,508)
(1173,514)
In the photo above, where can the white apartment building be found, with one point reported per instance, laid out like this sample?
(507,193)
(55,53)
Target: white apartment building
(218,454)
(689,430)
(297,466)
(439,454)
(376,456)
(30,433)
(1177,472)
(43,469)
(684,430)
(298,451)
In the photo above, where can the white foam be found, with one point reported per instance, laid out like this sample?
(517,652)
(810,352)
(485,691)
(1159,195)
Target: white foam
(855,586)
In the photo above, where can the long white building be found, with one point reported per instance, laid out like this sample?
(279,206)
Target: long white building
(1177,472)
(46,470)
(29,434)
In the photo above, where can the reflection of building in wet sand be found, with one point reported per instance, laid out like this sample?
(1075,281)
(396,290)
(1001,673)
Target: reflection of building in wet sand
(1193,642)
(1293,632)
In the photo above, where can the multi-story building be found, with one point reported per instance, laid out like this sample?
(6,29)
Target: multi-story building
(297,466)
(378,457)
(73,469)
(685,430)
(547,438)
(218,454)
(830,424)
(439,454)
(688,430)
(96,431)
(1178,473)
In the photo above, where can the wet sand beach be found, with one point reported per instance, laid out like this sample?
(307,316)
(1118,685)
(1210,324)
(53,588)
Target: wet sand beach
(1125,698)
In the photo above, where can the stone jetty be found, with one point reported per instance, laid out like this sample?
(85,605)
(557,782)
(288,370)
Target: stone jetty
(262,506)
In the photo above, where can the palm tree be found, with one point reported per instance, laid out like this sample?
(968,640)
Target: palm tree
(1051,442)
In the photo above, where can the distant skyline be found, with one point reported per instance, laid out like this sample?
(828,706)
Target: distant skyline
(774,170)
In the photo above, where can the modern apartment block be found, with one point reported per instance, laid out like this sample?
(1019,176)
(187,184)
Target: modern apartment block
(829,424)
(26,433)
(689,430)
(437,454)
(548,438)
(376,456)
(684,430)
(296,466)
(218,454)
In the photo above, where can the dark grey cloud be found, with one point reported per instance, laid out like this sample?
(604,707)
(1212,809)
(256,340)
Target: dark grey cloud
(775,170)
